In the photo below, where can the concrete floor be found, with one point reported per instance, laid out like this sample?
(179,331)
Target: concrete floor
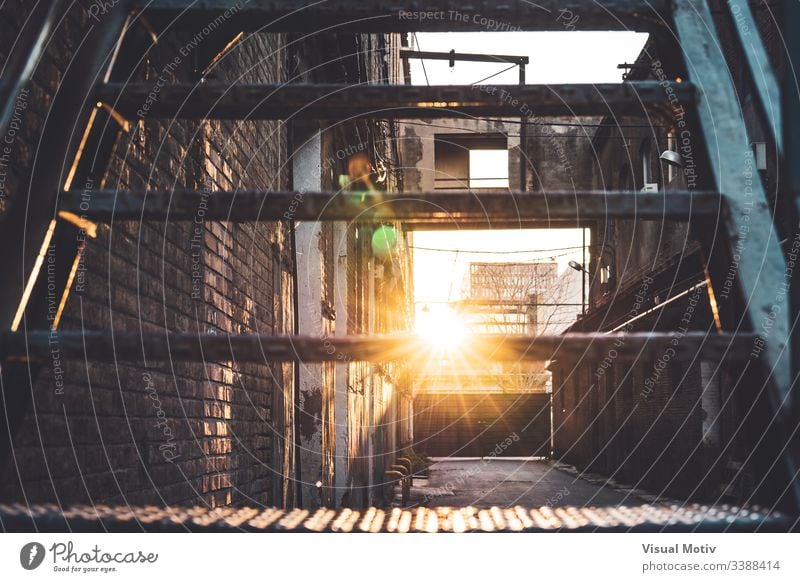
(509,482)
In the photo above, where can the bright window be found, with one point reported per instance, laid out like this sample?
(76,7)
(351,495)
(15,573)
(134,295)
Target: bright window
(488,168)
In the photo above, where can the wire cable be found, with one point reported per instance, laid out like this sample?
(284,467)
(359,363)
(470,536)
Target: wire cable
(494,75)
(515,252)
(422,61)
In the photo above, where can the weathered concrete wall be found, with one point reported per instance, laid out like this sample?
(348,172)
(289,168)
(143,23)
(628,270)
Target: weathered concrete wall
(417,141)
(346,440)
(561,157)
(558,157)
(632,248)
(306,163)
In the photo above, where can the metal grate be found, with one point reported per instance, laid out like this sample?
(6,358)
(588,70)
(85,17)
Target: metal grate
(644,518)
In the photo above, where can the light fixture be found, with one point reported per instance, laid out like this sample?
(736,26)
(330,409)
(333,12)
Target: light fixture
(672,158)
(577,266)
(581,269)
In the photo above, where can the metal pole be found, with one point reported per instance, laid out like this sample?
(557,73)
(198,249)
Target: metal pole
(523,134)
(453,56)
(585,273)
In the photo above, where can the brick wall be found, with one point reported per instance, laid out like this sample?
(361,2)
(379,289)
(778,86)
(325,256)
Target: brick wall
(215,433)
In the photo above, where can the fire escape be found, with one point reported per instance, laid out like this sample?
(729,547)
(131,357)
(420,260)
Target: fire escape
(729,206)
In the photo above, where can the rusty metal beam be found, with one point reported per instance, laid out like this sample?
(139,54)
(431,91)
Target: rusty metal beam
(253,102)
(105,346)
(409,15)
(431,207)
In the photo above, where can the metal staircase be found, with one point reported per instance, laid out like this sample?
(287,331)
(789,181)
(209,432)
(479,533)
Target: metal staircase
(53,207)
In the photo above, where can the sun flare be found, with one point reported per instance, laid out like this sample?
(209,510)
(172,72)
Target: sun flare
(441,328)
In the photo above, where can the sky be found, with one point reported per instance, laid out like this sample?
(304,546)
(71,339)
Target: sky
(555,57)
(439,274)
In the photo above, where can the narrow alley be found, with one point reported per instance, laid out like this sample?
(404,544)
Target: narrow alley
(399,266)
(508,482)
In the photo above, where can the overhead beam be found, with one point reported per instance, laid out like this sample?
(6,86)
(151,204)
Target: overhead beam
(104,346)
(339,102)
(407,16)
(434,207)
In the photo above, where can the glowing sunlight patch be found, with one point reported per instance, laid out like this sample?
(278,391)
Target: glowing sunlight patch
(441,328)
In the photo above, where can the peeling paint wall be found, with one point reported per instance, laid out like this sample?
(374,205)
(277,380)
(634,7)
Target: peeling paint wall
(557,157)
(345,440)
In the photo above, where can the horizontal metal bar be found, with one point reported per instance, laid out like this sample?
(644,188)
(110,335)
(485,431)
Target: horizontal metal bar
(253,102)
(467,57)
(130,346)
(439,206)
(409,15)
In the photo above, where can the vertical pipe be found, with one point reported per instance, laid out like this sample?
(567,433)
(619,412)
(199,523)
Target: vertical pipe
(523,132)
(584,273)
(297,476)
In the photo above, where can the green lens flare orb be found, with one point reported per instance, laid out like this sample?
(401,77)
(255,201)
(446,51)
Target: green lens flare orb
(384,242)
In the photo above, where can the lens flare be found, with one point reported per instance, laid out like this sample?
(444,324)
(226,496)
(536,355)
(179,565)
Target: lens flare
(441,328)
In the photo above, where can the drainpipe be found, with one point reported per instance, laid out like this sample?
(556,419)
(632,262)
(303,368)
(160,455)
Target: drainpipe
(298,491)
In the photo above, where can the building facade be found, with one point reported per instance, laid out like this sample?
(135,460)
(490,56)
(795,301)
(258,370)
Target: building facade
(688,430)
(220,432)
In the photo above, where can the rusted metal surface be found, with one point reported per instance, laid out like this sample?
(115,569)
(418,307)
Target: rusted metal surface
(644,518)
(434,207)
(410,15)
(339,102)
(128,346)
